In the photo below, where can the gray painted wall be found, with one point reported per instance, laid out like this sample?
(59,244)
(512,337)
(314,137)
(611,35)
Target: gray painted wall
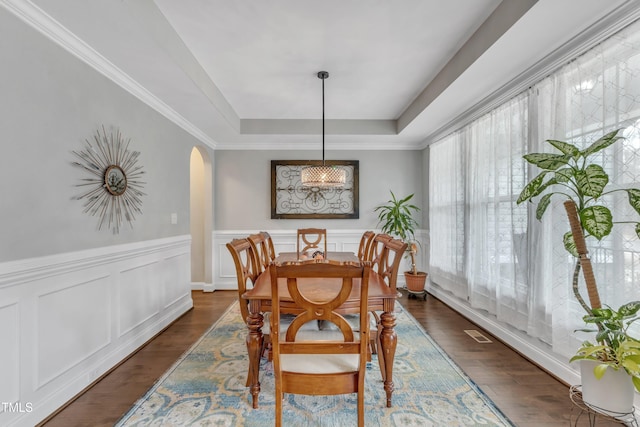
(242,187)
(50,102)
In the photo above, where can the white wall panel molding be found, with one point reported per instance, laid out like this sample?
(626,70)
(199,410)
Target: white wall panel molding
(28,270)
(69,327)
(9,351)
(72,317)
(138,296)
(173,270)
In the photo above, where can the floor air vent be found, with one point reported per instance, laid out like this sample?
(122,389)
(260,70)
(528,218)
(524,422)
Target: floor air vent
(476,335)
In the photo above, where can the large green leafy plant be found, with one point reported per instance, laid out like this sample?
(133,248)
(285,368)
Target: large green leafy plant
(574,175)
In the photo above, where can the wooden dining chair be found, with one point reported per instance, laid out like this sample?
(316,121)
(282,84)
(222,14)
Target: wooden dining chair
(389,262)
(375,253)
(377,249)
(251,258)
(365,243)
(329,366)
(311,238)
(247,271)
(270,246)
(260,247)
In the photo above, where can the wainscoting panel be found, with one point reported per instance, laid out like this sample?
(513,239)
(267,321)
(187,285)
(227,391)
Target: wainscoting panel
(9,352)
(174,269)
(285,241)
(69,318)
(70,328)
(138,296)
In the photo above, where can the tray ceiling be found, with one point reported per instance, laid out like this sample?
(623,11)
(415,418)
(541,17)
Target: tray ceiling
(242,74)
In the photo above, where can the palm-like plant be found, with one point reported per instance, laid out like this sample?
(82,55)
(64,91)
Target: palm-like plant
(396,218)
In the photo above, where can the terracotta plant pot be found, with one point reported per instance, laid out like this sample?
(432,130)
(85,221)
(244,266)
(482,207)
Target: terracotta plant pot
(415,282)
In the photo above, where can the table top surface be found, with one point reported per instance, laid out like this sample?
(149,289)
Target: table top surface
(334,256)
(321,289)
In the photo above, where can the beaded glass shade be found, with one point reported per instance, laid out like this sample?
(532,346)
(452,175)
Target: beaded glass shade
(323,176)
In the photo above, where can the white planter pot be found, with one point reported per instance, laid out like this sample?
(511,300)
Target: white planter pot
(612,394)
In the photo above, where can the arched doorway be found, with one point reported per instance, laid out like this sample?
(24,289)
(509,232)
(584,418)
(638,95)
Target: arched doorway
(201,196)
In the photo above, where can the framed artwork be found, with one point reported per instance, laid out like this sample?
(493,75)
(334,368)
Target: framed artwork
(290,200)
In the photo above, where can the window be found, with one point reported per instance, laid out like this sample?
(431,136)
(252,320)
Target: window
(493,253)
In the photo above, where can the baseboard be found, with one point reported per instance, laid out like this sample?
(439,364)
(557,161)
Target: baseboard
(202,286)
(532,349)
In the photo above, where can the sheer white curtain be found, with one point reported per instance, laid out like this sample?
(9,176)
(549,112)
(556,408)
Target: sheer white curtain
(496,258)
(595,94)
(494,254)
(480,249)
(446,207)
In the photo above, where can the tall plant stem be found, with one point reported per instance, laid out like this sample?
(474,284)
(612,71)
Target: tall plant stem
(583,260)
(412,253)
(576,291)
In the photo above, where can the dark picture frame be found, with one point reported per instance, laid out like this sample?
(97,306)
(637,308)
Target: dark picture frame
(290,200)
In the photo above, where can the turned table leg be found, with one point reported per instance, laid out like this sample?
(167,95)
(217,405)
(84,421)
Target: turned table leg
(254,348)
(388,343)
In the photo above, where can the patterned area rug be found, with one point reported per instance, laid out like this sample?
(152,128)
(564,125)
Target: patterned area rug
(206,387)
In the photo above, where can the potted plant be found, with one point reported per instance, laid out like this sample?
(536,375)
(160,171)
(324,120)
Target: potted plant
(615,349)
(574,175)
(396,218)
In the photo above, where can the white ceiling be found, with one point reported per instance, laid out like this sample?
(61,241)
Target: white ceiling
(242,74)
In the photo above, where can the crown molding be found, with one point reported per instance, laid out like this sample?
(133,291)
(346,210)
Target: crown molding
(56,32)
(296,146)
(311,127)
(606,27)
(504,16)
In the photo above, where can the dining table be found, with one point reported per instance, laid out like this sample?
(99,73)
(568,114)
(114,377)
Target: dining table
(381,298)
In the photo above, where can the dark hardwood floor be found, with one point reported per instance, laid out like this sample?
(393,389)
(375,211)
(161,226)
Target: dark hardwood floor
(523,392)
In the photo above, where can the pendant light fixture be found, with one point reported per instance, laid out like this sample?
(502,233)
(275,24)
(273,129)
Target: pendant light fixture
(323,176)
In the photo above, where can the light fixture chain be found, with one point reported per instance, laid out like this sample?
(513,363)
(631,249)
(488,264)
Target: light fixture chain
(323,117)
(323,176)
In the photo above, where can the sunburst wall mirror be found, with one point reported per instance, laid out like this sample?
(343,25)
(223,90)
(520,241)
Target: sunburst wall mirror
(113,187)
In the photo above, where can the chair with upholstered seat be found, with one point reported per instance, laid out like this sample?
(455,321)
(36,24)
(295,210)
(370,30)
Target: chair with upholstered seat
(376,253)
(248,269)
(335,364)
(365,243)
(311,238)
